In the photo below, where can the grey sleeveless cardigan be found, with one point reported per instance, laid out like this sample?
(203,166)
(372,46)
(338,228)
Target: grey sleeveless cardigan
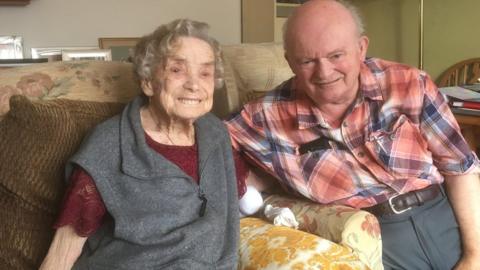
(158,220)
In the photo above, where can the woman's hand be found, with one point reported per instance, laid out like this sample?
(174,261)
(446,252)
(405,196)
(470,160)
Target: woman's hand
(64,250)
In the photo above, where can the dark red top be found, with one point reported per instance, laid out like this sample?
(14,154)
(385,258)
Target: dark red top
(84,209)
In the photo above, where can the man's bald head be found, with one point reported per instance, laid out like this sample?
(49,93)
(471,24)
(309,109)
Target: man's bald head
(306,14)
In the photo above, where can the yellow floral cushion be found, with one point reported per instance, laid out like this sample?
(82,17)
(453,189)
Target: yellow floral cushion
(265,246)
(353,229)
(104,81)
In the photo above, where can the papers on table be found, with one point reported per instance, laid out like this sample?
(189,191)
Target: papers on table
(474,87)
(462,100)
(466,111)
(460,93)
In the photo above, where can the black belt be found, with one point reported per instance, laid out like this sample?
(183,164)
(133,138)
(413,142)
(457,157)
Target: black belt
(403,202)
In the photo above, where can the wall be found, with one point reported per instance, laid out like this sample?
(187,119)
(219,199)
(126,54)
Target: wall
(450,31)
(57,23)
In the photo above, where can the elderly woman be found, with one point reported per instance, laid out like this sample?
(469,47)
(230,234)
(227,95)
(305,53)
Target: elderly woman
(155,187)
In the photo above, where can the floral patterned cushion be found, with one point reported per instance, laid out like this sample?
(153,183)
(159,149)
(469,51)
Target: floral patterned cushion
(265,246)
(354,229)
(107,81)
(251,70)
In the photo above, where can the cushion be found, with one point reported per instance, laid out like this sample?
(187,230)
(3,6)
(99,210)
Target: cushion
(109,81)
(265,246)
(36,139)
(253,69)
(354,229)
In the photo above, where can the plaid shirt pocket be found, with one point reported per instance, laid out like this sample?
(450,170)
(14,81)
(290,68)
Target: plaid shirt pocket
(401,151)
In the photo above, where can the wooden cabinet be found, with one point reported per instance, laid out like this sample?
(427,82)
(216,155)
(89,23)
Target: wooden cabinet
(262,20)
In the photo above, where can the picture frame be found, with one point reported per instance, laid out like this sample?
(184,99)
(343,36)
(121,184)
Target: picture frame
(121,47)
(291,1)
(8,63)
(285,7)
(95,54)
(14,2)
(55,53)
(11,47)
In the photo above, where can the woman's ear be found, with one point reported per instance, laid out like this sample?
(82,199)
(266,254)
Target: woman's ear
(147,87)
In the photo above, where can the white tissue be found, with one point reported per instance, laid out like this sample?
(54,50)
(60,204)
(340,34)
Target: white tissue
(281,216)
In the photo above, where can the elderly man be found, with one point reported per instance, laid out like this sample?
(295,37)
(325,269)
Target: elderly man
(370,134)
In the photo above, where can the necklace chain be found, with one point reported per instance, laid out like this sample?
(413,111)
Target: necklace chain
(165,132)
(170,139)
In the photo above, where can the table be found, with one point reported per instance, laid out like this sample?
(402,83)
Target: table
(470,125)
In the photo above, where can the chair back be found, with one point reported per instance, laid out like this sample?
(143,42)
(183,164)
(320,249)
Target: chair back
(464,72)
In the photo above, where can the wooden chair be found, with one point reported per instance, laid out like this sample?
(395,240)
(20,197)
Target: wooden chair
(465,72)
(461,73)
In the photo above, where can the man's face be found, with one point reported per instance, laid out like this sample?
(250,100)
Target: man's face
(326,61)
(184,88)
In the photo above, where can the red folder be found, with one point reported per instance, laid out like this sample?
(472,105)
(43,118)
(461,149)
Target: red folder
(466,104)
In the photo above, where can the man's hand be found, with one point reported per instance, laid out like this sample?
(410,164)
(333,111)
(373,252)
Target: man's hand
(468,262)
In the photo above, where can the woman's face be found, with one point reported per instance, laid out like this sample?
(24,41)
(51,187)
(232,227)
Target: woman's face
(183,90)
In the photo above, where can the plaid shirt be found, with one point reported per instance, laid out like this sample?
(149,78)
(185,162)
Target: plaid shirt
(398,136)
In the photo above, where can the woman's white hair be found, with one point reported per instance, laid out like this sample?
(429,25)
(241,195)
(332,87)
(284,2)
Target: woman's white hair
(152,51)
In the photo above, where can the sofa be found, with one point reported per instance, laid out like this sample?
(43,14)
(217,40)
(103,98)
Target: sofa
(46,109)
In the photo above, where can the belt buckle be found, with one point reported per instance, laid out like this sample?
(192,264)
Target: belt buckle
(397,212)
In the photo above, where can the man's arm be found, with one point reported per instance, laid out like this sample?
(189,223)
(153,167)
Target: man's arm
(64,250)
(464,194)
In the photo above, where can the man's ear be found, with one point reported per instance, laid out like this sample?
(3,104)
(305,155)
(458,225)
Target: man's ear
(363,43)
(147,87)
(289,61)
